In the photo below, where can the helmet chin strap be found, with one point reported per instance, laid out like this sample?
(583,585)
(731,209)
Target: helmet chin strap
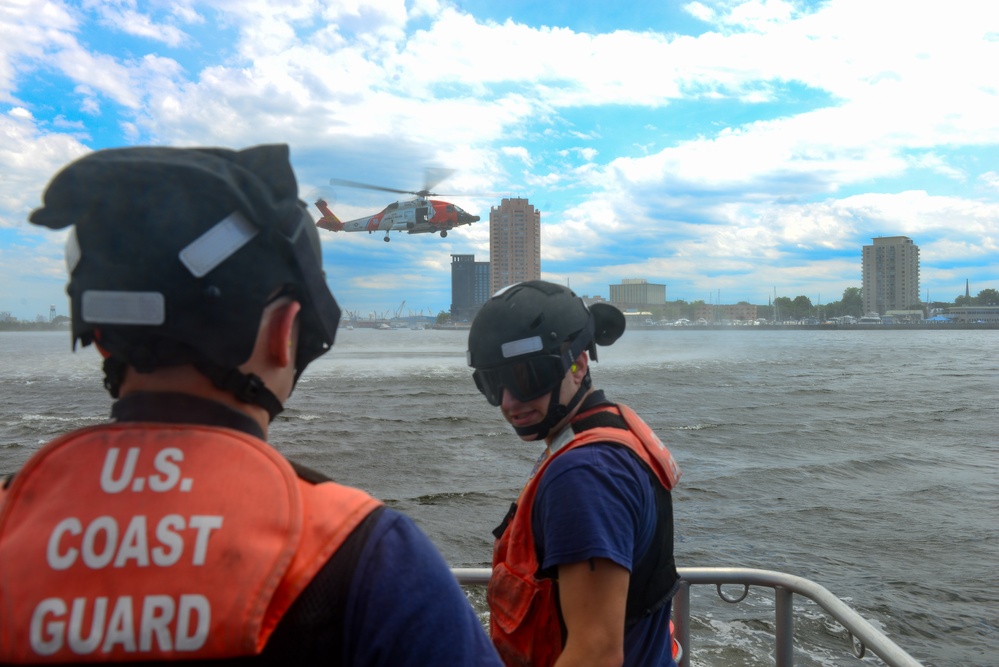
(556,411)
(246,387)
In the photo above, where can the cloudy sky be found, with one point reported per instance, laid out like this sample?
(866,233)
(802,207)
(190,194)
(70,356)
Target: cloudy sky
(730,150)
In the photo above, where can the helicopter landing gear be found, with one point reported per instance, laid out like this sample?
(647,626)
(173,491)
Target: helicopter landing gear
(443,234)
(386,239)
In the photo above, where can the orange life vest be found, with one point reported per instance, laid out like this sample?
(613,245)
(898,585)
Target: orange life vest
(524,620)
(131,541)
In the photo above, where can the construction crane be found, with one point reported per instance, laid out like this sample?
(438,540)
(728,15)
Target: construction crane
(398,313)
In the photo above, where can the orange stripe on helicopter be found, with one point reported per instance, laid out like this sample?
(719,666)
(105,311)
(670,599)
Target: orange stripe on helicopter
(328,221)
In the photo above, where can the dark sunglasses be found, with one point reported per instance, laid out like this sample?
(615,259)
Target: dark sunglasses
(525,380)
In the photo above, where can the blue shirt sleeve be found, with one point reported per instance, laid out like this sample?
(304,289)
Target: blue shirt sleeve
(406,608)
(596,501)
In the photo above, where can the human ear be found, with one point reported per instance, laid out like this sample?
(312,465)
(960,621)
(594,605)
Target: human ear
(283,335)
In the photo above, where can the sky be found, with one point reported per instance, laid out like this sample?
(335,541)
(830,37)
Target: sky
(730,150)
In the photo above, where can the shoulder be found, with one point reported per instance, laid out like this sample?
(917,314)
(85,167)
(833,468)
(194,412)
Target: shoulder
(603,479)
(596,459)
(394,530)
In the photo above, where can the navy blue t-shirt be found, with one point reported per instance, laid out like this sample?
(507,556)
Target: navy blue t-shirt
(598,501)
(406,608)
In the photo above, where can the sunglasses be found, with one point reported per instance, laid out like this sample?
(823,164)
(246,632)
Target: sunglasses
(526,380)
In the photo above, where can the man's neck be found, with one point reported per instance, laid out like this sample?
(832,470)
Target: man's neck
(187,380)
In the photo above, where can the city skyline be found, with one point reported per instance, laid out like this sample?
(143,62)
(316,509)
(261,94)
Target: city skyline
(727,149)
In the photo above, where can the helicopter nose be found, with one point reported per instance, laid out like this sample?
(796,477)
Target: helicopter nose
(468,217)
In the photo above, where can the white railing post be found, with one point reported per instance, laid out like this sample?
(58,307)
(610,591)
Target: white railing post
(681,620)
(784,626)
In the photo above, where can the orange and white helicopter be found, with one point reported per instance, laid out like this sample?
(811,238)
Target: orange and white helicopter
(415,216)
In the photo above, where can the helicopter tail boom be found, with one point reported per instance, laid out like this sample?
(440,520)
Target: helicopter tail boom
(329,220)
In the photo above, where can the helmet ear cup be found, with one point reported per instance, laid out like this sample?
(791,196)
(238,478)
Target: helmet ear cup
(609,323)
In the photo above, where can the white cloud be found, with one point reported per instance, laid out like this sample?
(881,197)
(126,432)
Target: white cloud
(30,157)
(990,179)
(699,11)
(519,152)
(122,15)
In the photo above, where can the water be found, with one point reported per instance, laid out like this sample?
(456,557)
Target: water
(865,460)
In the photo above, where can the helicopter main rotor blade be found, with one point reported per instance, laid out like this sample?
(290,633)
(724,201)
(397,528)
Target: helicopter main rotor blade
(433,176)
(366,186)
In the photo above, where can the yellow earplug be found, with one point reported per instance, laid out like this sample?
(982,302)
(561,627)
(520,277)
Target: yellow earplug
(573,368)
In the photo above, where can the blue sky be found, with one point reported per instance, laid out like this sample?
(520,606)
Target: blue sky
(727,149)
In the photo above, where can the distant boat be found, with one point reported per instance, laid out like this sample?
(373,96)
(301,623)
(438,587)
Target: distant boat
(869,319)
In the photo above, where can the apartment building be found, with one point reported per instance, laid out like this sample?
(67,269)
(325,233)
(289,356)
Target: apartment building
(514,243)
(469,287)
(890,274)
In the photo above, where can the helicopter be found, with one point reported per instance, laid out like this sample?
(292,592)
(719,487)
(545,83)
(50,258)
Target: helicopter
(421,215)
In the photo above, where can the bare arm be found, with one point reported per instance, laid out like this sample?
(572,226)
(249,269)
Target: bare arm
(593,595)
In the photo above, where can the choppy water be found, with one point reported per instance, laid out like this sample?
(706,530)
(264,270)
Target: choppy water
(867,461)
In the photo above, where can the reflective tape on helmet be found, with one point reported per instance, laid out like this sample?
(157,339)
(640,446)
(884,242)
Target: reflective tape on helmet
(73,253)
(110,307)
(217,244)
(515,348)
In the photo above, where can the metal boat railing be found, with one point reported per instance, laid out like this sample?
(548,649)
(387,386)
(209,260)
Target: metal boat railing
(863,635)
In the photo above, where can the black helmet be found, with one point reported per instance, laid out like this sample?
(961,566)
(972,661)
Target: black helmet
(526,337)
(175,252)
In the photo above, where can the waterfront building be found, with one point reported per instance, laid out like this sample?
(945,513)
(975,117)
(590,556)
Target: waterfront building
(890,274)
(719,313)
(469,287)
(514,243)
(638,294)
(973,314)
(905,316)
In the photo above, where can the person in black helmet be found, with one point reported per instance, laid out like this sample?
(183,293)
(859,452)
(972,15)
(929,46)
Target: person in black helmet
(175,532)
(583,567)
